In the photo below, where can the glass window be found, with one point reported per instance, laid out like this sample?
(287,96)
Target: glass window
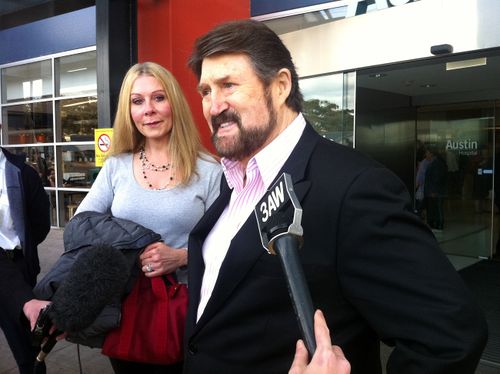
(53,208)
(48,112)
(329,105)
(27,82)
(456,201)
(305,20)
(27,123)
(77,74)
(78,165)
(40,158)
(70,200)
(77,118)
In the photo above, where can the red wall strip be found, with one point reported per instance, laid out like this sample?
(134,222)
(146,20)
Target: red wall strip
(166,31)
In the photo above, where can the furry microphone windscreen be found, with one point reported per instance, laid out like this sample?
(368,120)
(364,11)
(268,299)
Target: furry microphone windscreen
(97,278)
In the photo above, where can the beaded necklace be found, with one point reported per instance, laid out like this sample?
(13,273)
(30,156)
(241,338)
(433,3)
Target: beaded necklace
(148,165)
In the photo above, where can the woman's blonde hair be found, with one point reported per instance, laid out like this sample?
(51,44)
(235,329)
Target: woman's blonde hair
(185,145)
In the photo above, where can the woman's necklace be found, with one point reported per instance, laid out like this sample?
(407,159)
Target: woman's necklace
(148,165)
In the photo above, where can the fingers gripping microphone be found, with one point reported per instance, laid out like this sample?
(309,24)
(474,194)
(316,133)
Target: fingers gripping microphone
(279,217)
(97,278)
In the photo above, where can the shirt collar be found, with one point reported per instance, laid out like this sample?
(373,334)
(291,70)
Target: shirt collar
(270,159)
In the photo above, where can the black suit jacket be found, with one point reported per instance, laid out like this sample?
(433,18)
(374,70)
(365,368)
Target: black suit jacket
(30,209)
(29,205)
(373,268)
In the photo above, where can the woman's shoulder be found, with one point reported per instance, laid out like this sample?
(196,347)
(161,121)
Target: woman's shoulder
(119,160)
(207,162)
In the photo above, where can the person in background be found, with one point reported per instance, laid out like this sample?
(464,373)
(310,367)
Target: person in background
(373,267)
(158,175)
(52,177)
(420,204)
(41,166)
(435,189)
(24,223)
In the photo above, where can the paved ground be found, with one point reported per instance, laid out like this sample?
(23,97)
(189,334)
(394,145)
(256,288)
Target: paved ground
(64,357)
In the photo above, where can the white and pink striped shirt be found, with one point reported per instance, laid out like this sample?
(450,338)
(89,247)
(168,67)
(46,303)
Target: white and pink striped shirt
(261,170)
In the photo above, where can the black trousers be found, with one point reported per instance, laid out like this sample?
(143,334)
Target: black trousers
(435,212)
(18,335)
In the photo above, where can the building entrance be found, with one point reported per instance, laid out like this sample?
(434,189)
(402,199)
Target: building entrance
(442,112)
(457,199)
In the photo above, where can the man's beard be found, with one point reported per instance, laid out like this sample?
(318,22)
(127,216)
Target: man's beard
(249,140)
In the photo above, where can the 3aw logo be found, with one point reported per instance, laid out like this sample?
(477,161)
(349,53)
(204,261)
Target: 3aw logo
(275,199)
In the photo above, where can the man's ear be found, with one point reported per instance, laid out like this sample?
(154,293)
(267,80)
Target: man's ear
(283,82)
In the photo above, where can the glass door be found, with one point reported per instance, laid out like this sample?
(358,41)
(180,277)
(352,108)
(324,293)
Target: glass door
(455,166)
(495,250)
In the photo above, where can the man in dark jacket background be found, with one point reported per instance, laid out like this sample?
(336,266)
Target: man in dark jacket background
(24,223)
(435,189)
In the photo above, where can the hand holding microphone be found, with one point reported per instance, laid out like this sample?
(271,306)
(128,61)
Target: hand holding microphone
(32,308)
(44,335)
(97,278)
(328,358)
(279,217)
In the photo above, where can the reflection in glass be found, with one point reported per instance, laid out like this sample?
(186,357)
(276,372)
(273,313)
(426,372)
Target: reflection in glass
(77,74)
(70,200)
(305,20)
(46,107)
(27,82)
(28,123)
(78,118)
(78,165)
(40,158)
(53,208)
(329,106)
(462,137)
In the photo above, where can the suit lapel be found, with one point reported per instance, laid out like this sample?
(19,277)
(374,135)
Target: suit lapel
(246,246)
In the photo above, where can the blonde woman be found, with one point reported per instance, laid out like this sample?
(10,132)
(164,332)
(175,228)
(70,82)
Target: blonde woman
(158,175)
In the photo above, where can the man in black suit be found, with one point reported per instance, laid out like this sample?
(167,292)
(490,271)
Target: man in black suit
(24,223)
(373,268)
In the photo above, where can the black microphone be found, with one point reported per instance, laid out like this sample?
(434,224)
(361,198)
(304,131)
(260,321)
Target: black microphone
(51,341)
(97,278)
(279,216)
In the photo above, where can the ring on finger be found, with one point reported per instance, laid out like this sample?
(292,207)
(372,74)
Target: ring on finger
(149,268)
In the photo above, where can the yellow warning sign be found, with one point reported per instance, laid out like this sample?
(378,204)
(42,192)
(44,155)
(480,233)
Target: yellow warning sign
(102,138)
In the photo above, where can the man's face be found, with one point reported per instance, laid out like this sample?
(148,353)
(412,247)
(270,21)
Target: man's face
(237,107)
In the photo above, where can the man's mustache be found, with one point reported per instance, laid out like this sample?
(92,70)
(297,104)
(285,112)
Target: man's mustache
(226,116)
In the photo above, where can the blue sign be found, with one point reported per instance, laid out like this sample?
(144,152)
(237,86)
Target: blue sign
(48,36)
(260,7)
(355,7)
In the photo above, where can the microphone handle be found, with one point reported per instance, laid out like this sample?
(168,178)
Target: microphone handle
(47,347)
(287,247)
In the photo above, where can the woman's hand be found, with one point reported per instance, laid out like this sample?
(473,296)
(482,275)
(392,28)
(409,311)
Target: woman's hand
(158,259)
(328,358)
